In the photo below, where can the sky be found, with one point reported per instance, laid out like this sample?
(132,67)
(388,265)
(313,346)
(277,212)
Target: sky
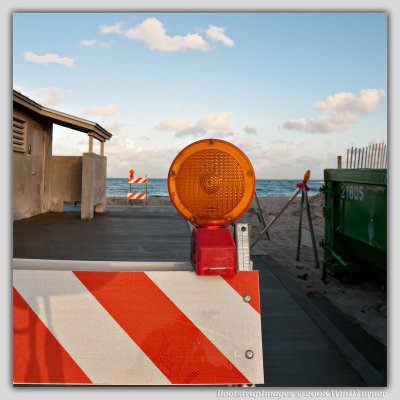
(292,90)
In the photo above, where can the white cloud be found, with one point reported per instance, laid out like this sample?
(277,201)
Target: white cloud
(95,42)
(120,144)
(68,62)
(68,142)
(218,122)
(333,122)
(115,28)
(173,125)
(363,103)
(152,32)
(114,127)
(89,42)
(198,131)
(49,96)
(216,125)
(194,131)
(375,141)
(250,129)
(284,158)
(105,45)
(341,110)
(124,153)
(19,88)
(221,134)
(218,34)
(279,159)
(108,110)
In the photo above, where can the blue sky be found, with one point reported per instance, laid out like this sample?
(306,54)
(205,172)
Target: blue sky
(292,90)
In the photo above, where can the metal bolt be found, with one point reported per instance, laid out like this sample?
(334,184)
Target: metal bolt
(210,142)
(243,228)
(172,173)
(247,298)
(249,173)
(249,354)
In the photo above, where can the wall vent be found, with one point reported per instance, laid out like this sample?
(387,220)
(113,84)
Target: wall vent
(19,135)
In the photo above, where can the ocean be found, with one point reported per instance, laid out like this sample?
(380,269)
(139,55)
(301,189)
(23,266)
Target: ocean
(119,187)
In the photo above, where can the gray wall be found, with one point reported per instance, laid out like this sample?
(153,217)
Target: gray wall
(65,181)
(94,170)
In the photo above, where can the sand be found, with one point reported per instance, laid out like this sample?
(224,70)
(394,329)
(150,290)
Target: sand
(364,301)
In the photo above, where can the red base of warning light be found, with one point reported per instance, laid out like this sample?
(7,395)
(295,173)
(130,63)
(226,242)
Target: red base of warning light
(213,251)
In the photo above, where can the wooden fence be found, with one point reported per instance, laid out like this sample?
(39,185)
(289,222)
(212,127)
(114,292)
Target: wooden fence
(373,156)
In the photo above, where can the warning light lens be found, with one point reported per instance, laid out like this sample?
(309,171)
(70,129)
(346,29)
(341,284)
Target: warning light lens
(211,183)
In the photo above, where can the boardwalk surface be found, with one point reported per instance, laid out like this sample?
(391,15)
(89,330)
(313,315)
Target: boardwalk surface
(120,234)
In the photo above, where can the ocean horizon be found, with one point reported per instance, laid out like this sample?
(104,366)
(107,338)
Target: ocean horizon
(157,187)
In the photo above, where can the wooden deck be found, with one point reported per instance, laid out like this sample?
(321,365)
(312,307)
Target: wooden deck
(120,234)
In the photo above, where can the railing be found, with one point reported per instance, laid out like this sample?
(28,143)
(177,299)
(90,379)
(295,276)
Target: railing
(373,156)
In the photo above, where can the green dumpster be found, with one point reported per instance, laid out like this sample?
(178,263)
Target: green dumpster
(355,220)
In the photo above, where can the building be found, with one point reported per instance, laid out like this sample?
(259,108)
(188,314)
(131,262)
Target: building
(43,182)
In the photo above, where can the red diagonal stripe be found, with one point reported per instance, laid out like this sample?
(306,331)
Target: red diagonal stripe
(173,343)
(246,283)
(136,195)
(37,355)
(137,180)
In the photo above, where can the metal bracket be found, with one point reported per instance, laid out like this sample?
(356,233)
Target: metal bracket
(242,239)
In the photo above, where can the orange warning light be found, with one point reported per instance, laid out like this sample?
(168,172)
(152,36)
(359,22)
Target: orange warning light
(211,183)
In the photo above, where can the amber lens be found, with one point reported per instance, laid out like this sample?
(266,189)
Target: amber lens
(211,183)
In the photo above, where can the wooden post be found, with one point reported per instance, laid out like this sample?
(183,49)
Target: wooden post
(351,158)
(145,202)
(102,148)
(339,162)
(380,155)
(90,143)
(362,158)
(310,225)
(301,222)
(370,156)
(375,153)
(384,155)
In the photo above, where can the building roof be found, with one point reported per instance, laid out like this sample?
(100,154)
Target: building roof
(59,118)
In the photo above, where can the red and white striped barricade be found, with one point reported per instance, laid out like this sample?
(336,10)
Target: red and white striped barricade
(138,195)
(136,328)
(135,181)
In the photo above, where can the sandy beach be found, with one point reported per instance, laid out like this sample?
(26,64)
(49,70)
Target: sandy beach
(363,301)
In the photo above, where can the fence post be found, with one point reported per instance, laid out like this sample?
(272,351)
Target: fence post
(339,162)
(362,158)
(351,158)
(373,156)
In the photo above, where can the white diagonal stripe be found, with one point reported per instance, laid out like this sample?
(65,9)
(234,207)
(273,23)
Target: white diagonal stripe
(100,347)
(230,323)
